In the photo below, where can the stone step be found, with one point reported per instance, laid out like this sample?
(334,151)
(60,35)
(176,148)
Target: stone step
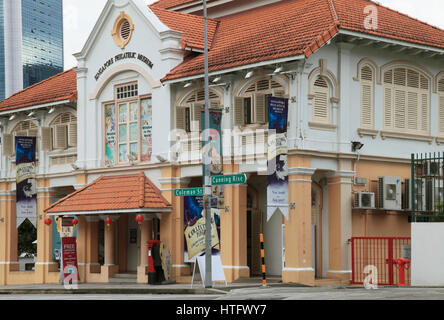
(124,278)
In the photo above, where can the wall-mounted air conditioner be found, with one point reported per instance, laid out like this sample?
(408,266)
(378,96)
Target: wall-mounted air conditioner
(420,194)
(389,193)
(364,200)
(434,195)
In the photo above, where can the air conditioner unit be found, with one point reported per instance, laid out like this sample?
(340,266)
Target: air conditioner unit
(429,169)
(420,194)
(389,193)
(364,200)
(434,195)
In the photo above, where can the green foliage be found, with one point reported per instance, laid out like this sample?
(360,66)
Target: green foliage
(27,233)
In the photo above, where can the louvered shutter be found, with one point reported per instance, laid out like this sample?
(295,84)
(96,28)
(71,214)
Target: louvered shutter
(180,118)
(259,108)
(278,93)
(441,105)
(7,144)
(424,109)
(197,116)
(388,107)
(46,138)
(238,111)
(399,109)
(72,134)
(412,111)
(60,136)
(21,133)
(321,101)
(367,97)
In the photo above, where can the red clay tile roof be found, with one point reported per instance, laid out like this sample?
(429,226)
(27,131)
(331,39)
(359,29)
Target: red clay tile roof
(191,26)
(62,86)
(132,191)
(298,27)
(166,4)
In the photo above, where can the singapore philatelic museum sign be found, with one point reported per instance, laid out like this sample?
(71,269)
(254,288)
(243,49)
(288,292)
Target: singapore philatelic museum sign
(122,56)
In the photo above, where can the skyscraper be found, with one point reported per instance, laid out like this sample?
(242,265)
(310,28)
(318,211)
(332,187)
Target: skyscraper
(31,43)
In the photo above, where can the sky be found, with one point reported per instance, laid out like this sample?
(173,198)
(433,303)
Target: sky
(81,15)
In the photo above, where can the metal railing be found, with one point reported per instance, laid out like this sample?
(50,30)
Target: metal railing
(427,185)
(380,252)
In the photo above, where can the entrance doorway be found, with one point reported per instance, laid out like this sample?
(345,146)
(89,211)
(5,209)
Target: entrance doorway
(133,248)
(253,235)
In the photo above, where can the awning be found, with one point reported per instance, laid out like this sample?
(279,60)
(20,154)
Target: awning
(132,193)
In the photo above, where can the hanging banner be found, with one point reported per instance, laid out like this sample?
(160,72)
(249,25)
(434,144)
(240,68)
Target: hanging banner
(26,184)
(194,228)
(215,149)
(277,179)
(68,267)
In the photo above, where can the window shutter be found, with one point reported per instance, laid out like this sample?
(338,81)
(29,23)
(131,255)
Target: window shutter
(46,138)
(60,136)
(197,116)
(180,118)
(412,110)
(7,144)
(72,134)
(278,93)
(424,112)
(366,105)
(238,111)
(441,113)
(321,101)
(259,108)
(388,107)
(399,108)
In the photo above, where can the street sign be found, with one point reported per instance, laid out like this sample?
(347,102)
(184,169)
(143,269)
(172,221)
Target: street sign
(189,192)
(228,179)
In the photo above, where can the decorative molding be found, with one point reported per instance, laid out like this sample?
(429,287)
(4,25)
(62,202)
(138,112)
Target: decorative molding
(174,180)
(301,171)
(116,31)
(408,64)
(372,64)
(297,269)
(439,140)
(406,136)
(341,174)
(322,126)
(368,132)
(331,78)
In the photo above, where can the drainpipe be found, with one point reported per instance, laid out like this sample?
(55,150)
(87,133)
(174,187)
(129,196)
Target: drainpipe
(301,105)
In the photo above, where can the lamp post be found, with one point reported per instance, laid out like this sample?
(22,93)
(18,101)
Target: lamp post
(205,161)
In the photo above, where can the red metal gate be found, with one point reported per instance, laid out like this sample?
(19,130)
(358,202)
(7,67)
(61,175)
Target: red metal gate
(381,253)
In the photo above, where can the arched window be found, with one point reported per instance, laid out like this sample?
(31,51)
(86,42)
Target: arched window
(321,100)
(251,106)
(188,114)
(26,128)
(406,101)
(63,132)
(367,97)
(441,106)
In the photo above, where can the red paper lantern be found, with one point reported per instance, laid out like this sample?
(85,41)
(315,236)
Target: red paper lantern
(108,221)
(48,221)
(75,221)
(139,219)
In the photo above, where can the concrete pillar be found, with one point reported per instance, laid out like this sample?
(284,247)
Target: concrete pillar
(171,224)
(8,233)
(109,268)
(92,244)
(46,269)
(233,226)
(298,242)
(340,222)
(146,231)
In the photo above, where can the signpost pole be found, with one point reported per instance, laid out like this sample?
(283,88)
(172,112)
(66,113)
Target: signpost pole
(205,161)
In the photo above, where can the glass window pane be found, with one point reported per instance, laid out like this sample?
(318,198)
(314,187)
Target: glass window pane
(123,149)
(134,150)
(122,133)
(134,132)
(133,111)
(122,112)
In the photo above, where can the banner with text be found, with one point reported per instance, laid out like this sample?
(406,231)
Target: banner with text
(26,184)
(277,179)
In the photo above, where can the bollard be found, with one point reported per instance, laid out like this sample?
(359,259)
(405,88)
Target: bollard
(401,262)
(264,278)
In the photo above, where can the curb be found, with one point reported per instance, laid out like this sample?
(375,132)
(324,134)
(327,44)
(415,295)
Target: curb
(183,291)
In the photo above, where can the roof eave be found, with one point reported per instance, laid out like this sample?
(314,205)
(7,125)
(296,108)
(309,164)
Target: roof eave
(113,211)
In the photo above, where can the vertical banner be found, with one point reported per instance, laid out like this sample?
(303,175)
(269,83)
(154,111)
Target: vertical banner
(277,179)
(26,184)
(215,147)
(110,133)
(194,228)
(146,123)
(68,268)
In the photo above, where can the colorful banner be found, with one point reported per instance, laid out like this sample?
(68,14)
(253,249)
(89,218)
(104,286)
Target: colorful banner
(69,257)
(194,228)
(277,180)
(146,119)
(110,134)
(56,238)
(216,160)
(26,184)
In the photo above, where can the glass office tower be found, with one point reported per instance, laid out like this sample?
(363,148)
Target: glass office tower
(31,43)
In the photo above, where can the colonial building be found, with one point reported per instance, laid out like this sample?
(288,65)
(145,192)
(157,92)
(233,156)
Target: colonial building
(365,86)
